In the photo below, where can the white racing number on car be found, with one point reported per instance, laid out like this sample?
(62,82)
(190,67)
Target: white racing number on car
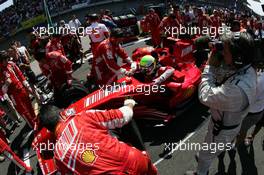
(70,112)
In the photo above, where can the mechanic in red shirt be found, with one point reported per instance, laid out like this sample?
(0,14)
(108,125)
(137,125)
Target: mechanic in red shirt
(14,84)
(84,145)
(56,67)
(169,22)
(34,41)
(203,19)
(152,19)
(169,27)
(54,44)
(177,13)
(216,21)
(105,66)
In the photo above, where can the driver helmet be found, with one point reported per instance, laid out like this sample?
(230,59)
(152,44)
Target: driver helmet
(148,64)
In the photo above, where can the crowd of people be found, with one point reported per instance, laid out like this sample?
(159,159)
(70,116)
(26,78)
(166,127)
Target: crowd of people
(22,10)
(230,93)
(200,17)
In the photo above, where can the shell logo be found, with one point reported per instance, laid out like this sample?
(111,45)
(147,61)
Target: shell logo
(89,156)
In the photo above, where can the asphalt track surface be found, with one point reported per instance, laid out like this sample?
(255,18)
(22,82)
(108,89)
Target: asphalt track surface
(188,128)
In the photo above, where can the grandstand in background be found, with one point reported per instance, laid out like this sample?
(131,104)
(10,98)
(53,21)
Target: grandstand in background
(24,14)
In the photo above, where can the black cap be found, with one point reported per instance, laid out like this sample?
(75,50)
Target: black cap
(172,14)
(235,26)
(176,7)
(117,33)
(3,55)
(151,10)
(94,16)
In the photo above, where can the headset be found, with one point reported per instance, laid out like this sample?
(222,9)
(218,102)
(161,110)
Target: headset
(242,49)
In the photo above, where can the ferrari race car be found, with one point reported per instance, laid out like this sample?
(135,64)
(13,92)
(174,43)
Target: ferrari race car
(193,50)
(155,103)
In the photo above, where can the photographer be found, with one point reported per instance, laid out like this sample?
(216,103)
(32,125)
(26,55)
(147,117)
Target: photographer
(230,98)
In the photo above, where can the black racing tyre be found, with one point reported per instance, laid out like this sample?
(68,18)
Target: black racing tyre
(72,93)
(130,133)
(135,30)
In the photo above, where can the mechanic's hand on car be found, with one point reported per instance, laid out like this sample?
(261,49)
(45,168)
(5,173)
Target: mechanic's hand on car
(129,73)
(130,103)
(156,82)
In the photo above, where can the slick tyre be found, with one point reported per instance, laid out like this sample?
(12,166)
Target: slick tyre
(73,93)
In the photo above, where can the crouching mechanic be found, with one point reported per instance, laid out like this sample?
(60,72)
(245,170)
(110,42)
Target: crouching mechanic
(14,85)
(56,67)
(95,150)
(105,66)
(230,99)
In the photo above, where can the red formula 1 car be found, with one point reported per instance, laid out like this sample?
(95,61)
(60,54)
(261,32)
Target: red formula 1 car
(193,50)
(159,104)
(155,103)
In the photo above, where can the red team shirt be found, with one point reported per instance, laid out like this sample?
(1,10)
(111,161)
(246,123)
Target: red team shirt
(12,75)
(55,45)
(153,21)
(57,68)
(105,65)
(101,153)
